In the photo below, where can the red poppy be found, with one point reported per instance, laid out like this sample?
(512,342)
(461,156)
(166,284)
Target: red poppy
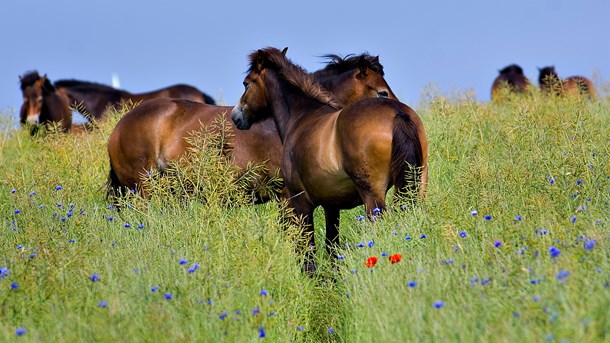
(371,261)
(395,258)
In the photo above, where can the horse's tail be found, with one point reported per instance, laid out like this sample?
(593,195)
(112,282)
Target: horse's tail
(114,188)
(409,161)
(208,99)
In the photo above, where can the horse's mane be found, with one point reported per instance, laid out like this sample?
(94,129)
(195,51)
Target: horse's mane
(512,69)
(337,64)
(85,85)
(292,73)
(28,79)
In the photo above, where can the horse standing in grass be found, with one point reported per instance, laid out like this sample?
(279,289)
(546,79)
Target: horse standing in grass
(154,133)
(333,157)
(94,98)
(43,104)
(512,77)
(551,83)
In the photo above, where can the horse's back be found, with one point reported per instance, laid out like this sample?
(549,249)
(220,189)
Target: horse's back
(580,85)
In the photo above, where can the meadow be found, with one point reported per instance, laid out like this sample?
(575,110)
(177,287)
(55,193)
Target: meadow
(512,243)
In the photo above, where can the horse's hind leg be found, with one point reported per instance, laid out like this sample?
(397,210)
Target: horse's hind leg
(374,204)
(303,215)
(331,215)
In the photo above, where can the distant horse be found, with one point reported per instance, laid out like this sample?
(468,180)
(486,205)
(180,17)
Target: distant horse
(332,157)
(94,98)
(43,103)
(551,83)
(154,133)
(512,77)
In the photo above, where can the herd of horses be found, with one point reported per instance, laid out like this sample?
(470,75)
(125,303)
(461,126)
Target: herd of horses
(513,78)
(339,136)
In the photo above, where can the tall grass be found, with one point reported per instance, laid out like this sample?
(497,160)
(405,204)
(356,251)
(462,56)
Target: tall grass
(511,244)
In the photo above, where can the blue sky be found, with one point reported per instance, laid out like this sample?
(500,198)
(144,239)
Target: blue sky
(455,45)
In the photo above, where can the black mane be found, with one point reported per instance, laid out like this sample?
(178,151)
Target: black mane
(28,79)
(512,69)
(84,85)
(338,64)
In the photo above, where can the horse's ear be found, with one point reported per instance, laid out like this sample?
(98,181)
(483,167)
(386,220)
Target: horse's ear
(284,51)
(362,65)
(259,60)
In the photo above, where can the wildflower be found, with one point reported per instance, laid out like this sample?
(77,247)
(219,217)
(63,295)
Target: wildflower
(58,188)
(462,234)
(376,210)
(360,218)
(515,314)
(71,241)
(518,218)
(32,193)
(384,254)
(20,331)
(17,211)
(20,246)
(361,245)
(223,315)
(589,244)
(554,252)
(552,180)
(423,235)
(102,304)
(395,258)
(562,274)
(154,288)
(300,328)
(127,225)
(13,191)
(261,332)
(95,277)
(474,212)
(331,331)
(340,257)
(411,284)
(140,226)
(371,261)
(193,268)
(497,244)
(182,261)
(263,292)
(579,181)
(488,217)
(408,238)
(534,281)
(474,280)
(14,285)
(4,272)
(255,311)
(271,314)
(32,255)
(573,219)
(168,296)
(536,298)
(439,304)
(485,281)
(371,244)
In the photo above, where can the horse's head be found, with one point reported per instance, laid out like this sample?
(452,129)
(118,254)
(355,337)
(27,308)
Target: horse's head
(354,77)
(547,75)
(32,86)
(253,106)
(512,69)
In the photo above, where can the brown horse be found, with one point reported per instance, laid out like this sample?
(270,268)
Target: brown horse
(512,77)
(43,104)
(153,134)
(94,98)
(332,157)
(550,83)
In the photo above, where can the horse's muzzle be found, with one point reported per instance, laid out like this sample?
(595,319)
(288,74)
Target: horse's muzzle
(237,115)
(33,119)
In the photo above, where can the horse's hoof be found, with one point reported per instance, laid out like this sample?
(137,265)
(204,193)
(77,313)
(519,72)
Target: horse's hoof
(309,268)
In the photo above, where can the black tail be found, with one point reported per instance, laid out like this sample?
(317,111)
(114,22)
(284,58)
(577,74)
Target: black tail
(408,157)
(208,99)
(114,188)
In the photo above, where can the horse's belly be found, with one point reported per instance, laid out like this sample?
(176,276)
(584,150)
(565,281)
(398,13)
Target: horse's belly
(332,190)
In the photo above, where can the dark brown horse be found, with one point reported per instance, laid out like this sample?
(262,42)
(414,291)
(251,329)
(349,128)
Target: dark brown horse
(551,83)
(94,98)
(154,133)
(43,104)
(332,157)
(511,77)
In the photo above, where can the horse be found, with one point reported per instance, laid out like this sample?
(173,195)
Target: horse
(333,156)
(95,98)
(154,133)
(43,104)
(512,77)
(551,83)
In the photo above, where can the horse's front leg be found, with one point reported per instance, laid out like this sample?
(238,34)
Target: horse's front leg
(303,215)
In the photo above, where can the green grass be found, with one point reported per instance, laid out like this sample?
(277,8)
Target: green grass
(496,159)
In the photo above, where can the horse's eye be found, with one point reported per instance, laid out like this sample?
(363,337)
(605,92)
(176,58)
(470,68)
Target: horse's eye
(245,85)
(382,94)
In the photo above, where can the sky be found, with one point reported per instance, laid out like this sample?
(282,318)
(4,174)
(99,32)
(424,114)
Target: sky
(450,46)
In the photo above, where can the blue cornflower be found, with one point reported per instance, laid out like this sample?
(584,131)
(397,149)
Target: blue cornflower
(255,311)
(439,304)
(552,180)
(300,328)
(384,254)
(360,218)
(20,331)
(95,277)
(168,296)
(154,288)
(376,210)
(263,292)
(562,274)
(17,211)
(536,298)
(223,315)
(371,244)
(411,284)
(515,314)
(423,235)
(474,212)
(488,217)
(110,218)
(13,191)
(474,280)
(14,285)
(102,304)
(261,332)
(58,188)
(193,268)
(32,193)
(341,257)
(127,225)
(554,252)
(4,272)
(140,226)
(71,241)
(408,238)
(573,219)
(534,281)
(331,331)
(20,246)
(589,244)
(518,218)
(182,261)
(271,314)
(497,244)
(579,181)
(32,255)
(462,234)
(360,245)
(485,281)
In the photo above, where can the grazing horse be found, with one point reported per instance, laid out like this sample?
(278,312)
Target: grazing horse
(94,98)
(550,83)
(43,103)
(512,77)
(333,157)
(154,133)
